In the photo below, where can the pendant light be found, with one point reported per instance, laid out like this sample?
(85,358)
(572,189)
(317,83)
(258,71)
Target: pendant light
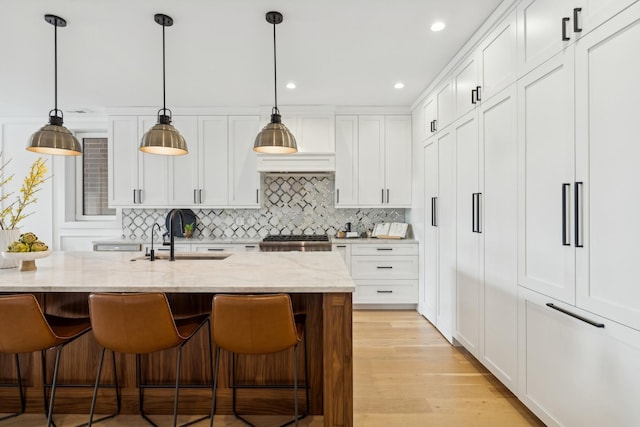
(163,138)
(54,138)
(275,138)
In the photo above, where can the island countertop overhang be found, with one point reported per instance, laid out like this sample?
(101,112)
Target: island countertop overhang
(250,272)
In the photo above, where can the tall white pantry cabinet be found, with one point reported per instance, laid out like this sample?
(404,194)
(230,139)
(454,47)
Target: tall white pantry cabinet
(543,208)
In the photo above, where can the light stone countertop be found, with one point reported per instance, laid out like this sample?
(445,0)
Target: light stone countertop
(373,241)
(243,272)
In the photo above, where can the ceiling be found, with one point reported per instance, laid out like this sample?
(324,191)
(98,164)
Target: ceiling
(220,53)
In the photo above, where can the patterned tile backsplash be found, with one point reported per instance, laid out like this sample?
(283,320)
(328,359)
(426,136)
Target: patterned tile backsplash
(292,204)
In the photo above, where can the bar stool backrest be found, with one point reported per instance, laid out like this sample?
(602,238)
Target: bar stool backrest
(133,323)
(23,327)
(254,324)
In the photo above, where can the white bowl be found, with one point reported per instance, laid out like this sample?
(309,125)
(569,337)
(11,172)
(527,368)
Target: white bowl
(26,256)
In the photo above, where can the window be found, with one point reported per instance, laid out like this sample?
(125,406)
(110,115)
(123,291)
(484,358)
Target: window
(92,179)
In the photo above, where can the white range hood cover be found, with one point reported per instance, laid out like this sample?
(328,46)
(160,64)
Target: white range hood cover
(297,162)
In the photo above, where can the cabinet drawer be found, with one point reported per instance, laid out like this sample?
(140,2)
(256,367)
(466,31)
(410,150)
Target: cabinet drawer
(384,249)
(386,292)
(384,267)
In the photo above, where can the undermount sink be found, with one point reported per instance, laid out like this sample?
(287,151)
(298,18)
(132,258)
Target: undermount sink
(185,256)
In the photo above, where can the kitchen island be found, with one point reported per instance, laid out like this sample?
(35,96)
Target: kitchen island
(319,285)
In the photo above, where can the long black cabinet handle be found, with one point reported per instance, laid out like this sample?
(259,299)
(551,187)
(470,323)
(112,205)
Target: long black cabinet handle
(384,292)
(199,196)
(576,26)
(478,97)
(473,96)
(578,215)
(566,240)
(434,221)
(384,267)
(250,246)
(134,196)
(195,197)
(473,212)
(215,249)
(478,200)
(384,249)
(257,195)
(435,125)
(388,196)
(565,37)
(382,193)
(337,195)
(577,316)
(341,246)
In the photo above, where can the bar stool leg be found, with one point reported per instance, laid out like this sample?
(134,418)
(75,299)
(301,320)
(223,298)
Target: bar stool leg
(53,386)
(177,390)
(215,386)
(95,388)
(23,399)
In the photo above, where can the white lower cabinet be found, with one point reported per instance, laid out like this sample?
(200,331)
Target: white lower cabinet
(385,273)
(344,250)
(573,373)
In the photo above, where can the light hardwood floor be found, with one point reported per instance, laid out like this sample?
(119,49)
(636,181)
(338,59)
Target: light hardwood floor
(405,375)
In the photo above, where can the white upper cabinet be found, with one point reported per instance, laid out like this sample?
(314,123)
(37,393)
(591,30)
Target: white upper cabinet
(370,181)
(244,180)
(444,96)
(212,162)
(497,59)
(545,27)
(546,261)
(398,158)
(384,161)
(123,160)
(153,170)
(346,161)
(438,109)
(465,86)
(314,132)
(183,170)
(607,173)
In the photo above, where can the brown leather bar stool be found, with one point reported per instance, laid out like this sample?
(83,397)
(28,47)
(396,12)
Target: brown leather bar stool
(256,324)
(140,324)
(25,328)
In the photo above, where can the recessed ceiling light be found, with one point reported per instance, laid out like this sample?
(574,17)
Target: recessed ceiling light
(398,85)
(291,85)
(438,26)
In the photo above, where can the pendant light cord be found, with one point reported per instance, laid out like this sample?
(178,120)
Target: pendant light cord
(275,72)
(164,88)
(55,66)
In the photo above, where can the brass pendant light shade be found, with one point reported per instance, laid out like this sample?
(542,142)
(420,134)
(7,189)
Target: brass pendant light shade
(163,138)
(54,138)
(275,138)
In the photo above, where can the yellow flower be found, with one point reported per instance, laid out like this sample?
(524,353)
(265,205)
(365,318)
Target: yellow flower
(12,214)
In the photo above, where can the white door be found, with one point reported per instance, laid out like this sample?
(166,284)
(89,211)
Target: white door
(465,83)
(468,229)
(540,31)
(346,161)
(596,12)
(183,170)
(444,95)
(546,179)
(213,162)
(498,59)
(316,133)
(498,171)
(244,180)
(371,161)
(123,160)
(429,115)
(607,153)
(153,170)
(446,234)
(397,159)
(575,374)
(428,301)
